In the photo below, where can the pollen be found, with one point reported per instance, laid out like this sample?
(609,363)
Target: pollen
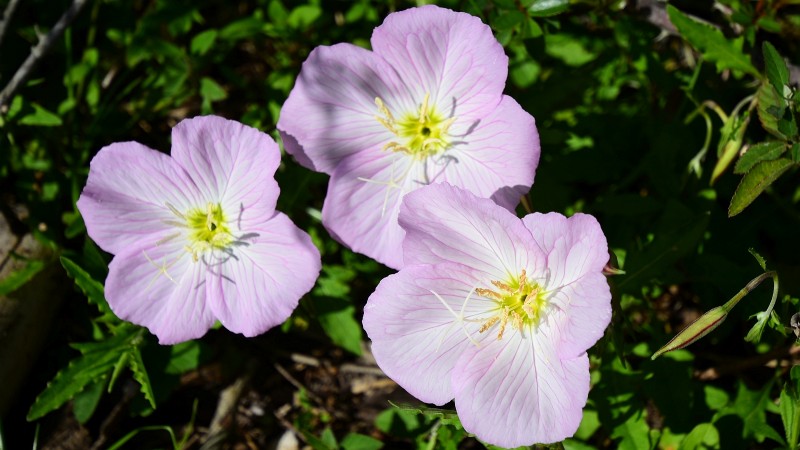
(421,133)
(518,301)
(208,230)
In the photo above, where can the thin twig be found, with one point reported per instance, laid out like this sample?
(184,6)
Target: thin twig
(12,5)
(37,52)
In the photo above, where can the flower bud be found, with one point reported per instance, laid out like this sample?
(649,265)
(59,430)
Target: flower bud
(696,330)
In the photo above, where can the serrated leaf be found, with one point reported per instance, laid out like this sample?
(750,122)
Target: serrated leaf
(770,107)
(546,8)
(764,151)
(71,380)
(726,53)
(140,375)
(85,402)
(755,181)
(19,277)
(93,289)
(777,72)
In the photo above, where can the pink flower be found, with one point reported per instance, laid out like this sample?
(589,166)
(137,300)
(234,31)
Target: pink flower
(196,237)
(494,312)
(426,105)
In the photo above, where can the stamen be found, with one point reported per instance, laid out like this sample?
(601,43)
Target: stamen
(167,238)
(489,294)
(503,322)
(387,121)
(503,286)
(175,211)
(486,325)
(423,111)
(459,317)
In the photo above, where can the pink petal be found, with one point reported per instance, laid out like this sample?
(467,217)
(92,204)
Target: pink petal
(574,246)
(361,212)
(331,112)
(576,252)
(161,288)
(416,340)
(497,157)
(451,55)
(257,284)
(124,203)
(446,223)
(516,391)
(231,163)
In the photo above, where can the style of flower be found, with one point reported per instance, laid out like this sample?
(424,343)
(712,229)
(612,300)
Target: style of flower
(494,312)
(196,237)
(425,106)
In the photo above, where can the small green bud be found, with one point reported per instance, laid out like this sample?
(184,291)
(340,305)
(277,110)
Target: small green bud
(696,330)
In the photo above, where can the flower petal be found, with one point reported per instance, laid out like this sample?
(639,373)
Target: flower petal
(516,391)
(451,55)
(231,163)
(446,223)
(583,313)
(574,246)
(124,203)
(258,284)
(363,201)
(416,338)
(497,157)
(159,287)
(331,112)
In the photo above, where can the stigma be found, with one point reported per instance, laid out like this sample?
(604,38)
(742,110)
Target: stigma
(519,302)
(420,134)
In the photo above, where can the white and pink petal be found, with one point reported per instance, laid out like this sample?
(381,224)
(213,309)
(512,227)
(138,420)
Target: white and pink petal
(258,281)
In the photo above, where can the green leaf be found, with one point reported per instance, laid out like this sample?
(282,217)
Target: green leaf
(545,8)
(303,16)
(751,407)
(18,278)
(790,408)
(764,151)
(91,288)
(726,53)
(755,181)
(337,318)
(771,108)
(355,441)
(760,259)
(702,436)
(97,359)
(241,29)
(40,117)
(211,91)
(634,433)
(777,72)
(203,42)
(140,374)
(85,403)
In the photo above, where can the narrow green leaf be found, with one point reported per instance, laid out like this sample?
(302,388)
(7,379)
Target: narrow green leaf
(90,287)
(18,278)
(140,374)
(764,151)
(755,181)
(726,53)
(79,373)
(760,259)
(777,72)
(545,8)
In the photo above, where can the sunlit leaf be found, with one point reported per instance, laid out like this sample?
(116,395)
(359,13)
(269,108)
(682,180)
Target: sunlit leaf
(777,72)
(21,276)
(764,151)
(755,181)
(544,8)
(726,53)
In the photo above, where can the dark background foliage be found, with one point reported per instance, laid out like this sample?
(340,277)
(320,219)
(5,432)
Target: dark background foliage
(626,94)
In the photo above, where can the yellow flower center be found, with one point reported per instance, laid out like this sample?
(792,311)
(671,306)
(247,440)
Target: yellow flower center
(207,230)
(421,133)
(518,301)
